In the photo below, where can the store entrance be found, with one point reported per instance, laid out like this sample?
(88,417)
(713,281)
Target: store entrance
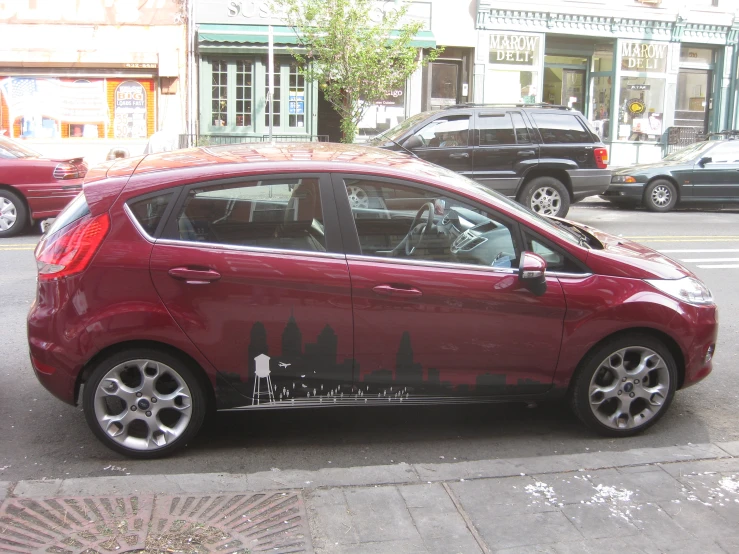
(564,81)
(694,99)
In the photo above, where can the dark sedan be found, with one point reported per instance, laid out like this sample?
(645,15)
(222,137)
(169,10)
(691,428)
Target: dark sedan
(33,187)
(703,172)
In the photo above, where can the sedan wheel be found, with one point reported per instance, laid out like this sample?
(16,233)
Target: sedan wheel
(625,386)
(660,196)
(143,406)
(13,214)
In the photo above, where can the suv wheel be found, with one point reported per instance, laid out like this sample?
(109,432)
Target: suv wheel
(545,196)
(143,403)
(624,386)
(660,196)
(13,214)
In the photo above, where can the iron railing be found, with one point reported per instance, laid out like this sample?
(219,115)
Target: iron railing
(187,141)
(677,138)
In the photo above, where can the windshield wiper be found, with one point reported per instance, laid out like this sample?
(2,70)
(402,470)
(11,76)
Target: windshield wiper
(583,238)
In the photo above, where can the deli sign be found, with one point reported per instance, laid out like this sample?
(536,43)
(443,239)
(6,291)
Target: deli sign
(644,56)
(514,49)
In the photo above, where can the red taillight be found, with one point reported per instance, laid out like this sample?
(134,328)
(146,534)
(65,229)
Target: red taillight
(67,171)
(70,252)
(601,158)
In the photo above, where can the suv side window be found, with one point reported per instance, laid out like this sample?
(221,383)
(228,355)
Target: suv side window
(384,215)
(558,128)
(283,214)
(453,130)
(523,136)
(495,129)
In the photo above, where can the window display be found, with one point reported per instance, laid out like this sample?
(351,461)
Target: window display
(641,110)
(505,87)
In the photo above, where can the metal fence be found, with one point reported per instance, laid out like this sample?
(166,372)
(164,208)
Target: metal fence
(678,138)
(187,141)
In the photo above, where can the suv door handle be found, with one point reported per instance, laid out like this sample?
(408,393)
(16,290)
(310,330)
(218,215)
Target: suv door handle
(526,152)
(459,156)
(389,290)
(194,276)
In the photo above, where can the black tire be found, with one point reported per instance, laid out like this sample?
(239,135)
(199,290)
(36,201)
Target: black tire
(594,375)
(12,204)
(172,372)
(660,196)
(545,196)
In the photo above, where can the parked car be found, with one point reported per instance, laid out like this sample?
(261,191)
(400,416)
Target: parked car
(705,172)
(546,157)
(33,187)
(242,277)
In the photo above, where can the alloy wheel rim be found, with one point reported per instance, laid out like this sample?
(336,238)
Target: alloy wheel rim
(629,387)
(661,196)
(143,404)
(358,197)
(546,201)
(8,214)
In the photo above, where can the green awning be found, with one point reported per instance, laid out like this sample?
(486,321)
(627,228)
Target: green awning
(258,34)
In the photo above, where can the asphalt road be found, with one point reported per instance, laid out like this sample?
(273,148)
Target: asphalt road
(40,437)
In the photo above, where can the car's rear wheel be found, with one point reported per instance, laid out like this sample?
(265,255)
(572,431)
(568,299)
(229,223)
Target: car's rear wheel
(625,385)
(13,214)
(660,196)
(144,403)
(545,196)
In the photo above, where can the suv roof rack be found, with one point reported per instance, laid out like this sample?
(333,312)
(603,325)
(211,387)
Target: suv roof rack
(510,105)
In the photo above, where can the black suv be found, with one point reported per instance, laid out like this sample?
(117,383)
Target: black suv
(545,156)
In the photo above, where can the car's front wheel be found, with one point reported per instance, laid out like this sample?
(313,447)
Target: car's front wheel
(625,385)
(13,214)
(660,196)
(545,196)
(144,403)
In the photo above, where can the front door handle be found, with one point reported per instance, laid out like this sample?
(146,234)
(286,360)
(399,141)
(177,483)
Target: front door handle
(526,153)
(459,156)
(389,290)
(194,276)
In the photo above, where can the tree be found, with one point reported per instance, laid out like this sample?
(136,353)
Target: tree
(355,60)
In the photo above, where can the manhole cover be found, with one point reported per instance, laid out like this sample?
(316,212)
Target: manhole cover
(188,524)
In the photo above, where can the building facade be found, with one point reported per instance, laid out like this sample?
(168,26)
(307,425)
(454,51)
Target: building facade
(640,70)
(81,78)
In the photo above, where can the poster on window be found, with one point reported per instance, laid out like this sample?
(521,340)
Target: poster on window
(296,103)
(130,110)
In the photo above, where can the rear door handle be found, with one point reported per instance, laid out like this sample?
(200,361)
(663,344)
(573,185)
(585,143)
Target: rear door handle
(389,290)
(526,152)
(459,156)
(194,276)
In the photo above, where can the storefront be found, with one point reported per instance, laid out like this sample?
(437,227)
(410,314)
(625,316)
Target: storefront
(633,78)
(80,81)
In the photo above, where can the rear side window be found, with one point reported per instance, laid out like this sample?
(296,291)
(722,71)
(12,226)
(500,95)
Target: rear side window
(149,211)
(495,129)
(522,131)
(561,129)
(76,209)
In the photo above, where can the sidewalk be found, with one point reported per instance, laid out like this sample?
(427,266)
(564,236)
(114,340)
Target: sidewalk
(681,499)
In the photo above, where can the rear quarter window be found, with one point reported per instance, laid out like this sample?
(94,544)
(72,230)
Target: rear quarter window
(558,128)
(149,211)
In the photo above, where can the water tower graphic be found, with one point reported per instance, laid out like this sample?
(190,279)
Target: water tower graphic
(261,372)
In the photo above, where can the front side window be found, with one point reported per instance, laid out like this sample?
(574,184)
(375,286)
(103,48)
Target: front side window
(408,222)
(561,129)
(446,132)
(727,153)
(282,214)
(555,258)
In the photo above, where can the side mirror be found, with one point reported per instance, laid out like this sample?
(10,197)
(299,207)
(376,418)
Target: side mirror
(532,273)
(705,160)
(413,142)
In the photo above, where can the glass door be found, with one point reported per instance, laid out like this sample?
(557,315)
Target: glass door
(693,99)
(573,88)
(444,81)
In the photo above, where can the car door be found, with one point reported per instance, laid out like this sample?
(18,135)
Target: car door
(719,177)
(447,141)
(252,271)
(504,152)
(436,318)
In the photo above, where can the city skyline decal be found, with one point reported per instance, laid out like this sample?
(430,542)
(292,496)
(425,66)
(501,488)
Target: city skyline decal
(307,375)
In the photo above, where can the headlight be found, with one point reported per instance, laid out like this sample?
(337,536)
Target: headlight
(687,289)
(623,179)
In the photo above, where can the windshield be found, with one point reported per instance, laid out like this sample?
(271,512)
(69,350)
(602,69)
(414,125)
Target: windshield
(690,152)
(12,149)
(386,138)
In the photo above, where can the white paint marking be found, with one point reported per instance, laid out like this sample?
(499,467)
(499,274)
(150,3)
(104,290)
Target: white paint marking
(720,266)
(709,260)
(701,251)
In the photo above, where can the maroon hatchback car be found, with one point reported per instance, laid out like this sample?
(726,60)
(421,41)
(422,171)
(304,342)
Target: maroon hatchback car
(258,277)
(33,187)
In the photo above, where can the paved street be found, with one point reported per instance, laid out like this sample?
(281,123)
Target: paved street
(41,438)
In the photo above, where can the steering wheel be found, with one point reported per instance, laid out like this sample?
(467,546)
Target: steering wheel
(409,246)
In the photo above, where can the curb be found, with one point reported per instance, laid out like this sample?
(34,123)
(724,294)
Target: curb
(396,474)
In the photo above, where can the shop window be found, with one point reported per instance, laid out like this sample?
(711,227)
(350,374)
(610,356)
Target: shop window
(244,79)
(561,129)
(506,86)
(692,55)
(496,129)
(277,96)
(219,93)
(601,100)
(603,58)
(296,102)
(640,113)
(288,101)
